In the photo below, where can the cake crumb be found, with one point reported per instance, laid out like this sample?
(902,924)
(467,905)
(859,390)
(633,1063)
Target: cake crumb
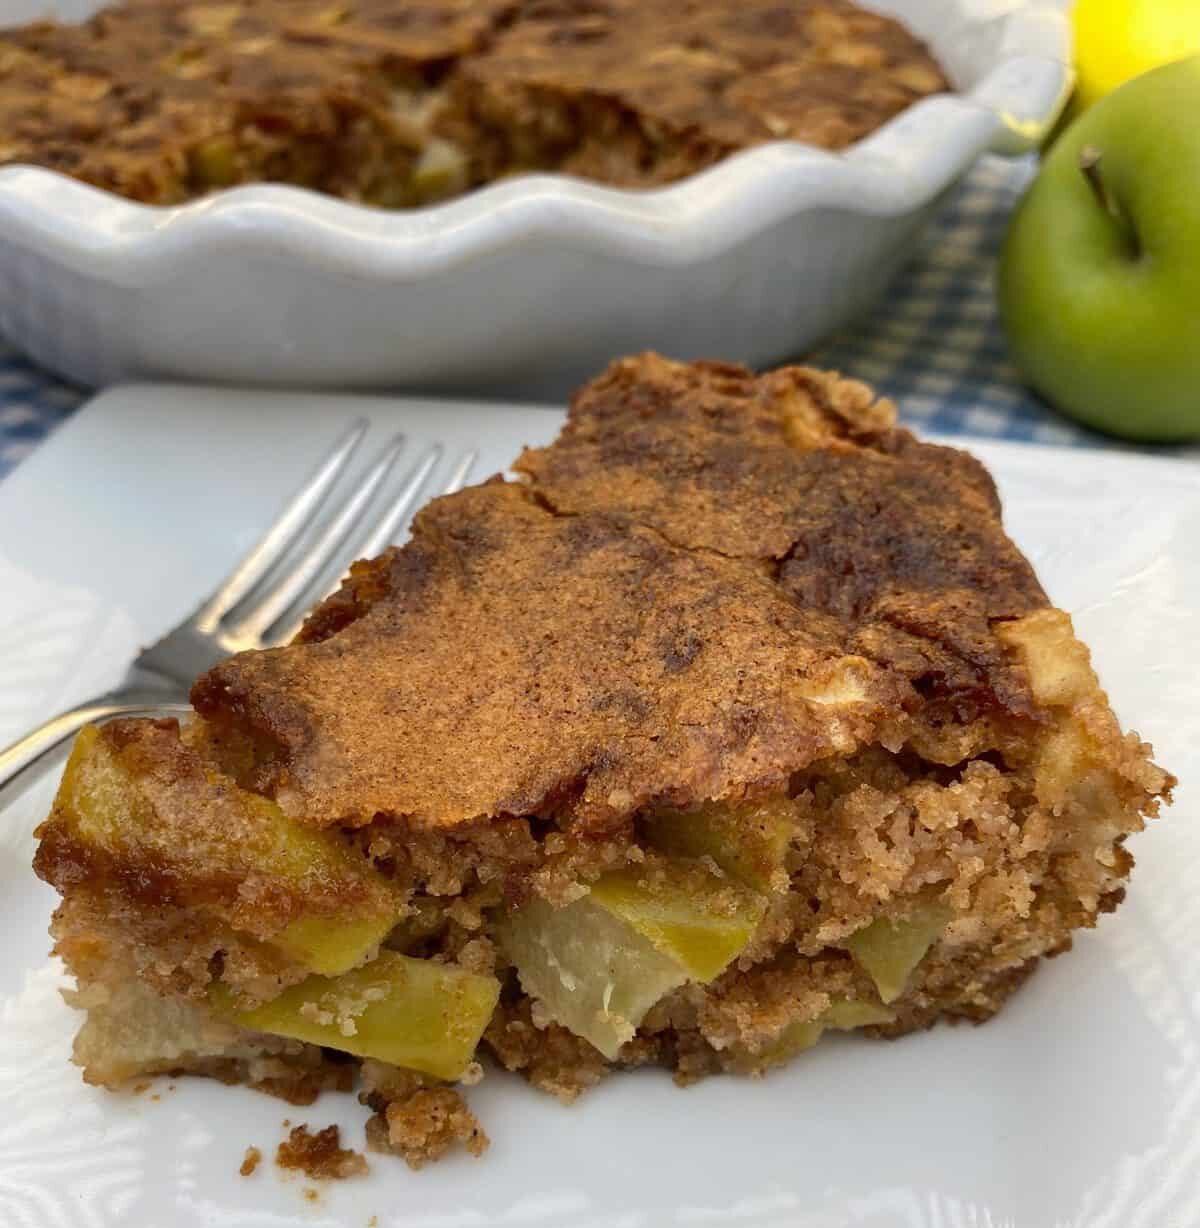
(311,1194)
(424,1125)
(250,1161)
(320,1156)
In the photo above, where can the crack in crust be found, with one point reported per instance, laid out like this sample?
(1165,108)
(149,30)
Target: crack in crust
(710,581)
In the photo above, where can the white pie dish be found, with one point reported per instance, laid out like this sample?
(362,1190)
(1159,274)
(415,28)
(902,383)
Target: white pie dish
(529,285)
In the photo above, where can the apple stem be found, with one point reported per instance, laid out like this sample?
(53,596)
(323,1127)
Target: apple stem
(1089,163)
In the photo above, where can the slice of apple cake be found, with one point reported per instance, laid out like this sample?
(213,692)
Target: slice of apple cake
(732,718)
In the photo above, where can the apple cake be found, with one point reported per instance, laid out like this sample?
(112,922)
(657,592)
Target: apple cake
(402,102)
(731,717)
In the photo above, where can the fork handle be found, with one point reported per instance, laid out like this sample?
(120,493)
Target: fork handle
(29,758)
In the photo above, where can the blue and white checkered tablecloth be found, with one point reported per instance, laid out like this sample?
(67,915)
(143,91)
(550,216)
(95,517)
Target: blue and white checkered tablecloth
(32,404)
(933,344)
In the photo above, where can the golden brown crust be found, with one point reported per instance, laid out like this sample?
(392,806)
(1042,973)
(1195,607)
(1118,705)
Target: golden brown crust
(287,90)
(163,100)
(638,93)
(711,581)
(898,540)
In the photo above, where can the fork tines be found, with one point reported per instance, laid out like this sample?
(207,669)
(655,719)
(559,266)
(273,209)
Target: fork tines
(304,555)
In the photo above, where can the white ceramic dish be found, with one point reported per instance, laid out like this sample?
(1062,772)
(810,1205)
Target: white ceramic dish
(531,284)
(1078,1107)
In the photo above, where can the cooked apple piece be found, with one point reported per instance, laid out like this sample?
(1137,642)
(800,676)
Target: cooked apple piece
(213,163)
(846,1014)
(698,920)
(131,816)
(414,1013)
(600,963)
(888,951)
(332,947)
(441,171)
(594,973)
(748,841)
(794,1039)
(130,1029)
(842,1015)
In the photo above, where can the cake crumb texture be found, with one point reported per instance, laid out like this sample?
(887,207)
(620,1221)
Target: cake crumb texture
(417,1118)
(319,1156)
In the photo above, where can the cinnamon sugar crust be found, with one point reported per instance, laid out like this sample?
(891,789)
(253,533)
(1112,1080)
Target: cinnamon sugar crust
(810,572)
(161,100)
(633,93)
(399,102)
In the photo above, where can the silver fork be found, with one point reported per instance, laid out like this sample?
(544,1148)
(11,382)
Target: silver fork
(261,603)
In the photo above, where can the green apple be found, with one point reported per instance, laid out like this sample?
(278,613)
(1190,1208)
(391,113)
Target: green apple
(1100,272)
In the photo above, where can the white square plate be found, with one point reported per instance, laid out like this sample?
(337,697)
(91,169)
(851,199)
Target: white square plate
(1078,1105)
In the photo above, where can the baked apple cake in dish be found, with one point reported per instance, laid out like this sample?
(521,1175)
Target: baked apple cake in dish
(403,102)
(730,718)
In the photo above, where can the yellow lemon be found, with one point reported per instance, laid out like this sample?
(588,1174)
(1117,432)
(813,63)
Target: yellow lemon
(1119,39)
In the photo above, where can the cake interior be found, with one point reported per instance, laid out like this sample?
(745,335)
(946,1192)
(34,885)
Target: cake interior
(916,877)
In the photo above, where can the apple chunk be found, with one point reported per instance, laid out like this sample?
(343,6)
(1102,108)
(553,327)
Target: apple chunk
(414,1013)
(842,1015)
(846,1014)
(331,946)
(601,962)
(748,841)
(698,920)
(118,799)
(594,973)
(888,951)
